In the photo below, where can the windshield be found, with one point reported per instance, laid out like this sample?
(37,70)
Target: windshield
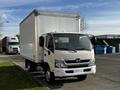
(13,43)
(72,42)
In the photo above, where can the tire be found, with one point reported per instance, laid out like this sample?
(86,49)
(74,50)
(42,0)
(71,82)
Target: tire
(82,77)
(26,63)
(30,66)
(49,76)
(7,52)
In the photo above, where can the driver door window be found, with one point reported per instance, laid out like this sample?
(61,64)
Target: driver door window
(49,43)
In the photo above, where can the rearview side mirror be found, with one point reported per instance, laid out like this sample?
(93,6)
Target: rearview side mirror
(93,40)
(41,41)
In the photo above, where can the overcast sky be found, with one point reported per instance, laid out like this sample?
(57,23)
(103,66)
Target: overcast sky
(102,16)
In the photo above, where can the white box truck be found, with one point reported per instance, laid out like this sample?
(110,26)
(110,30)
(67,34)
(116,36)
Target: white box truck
(10,45)
(52,40)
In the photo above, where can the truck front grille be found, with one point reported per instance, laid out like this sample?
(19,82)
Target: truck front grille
(15,49)
(77,63)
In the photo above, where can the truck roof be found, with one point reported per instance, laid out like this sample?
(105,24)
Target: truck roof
(52,13)
(9,37)
(66,33)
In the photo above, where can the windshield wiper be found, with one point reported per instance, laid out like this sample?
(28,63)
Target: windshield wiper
(82,49)
(63,48)
(73,50)
(68,49)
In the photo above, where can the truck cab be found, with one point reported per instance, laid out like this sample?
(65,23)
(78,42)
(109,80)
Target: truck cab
(67,54)
(11,45)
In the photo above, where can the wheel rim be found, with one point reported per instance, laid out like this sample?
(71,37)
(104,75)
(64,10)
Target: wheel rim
(28,68)
(47,76)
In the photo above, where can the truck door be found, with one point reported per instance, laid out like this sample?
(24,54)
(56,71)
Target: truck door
(49,51)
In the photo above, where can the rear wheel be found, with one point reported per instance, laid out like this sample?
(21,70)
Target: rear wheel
(82,77)
(30,65)
(49,76)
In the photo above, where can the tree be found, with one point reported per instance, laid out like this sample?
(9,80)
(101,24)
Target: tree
(83,24)
(1,26)
(3,20)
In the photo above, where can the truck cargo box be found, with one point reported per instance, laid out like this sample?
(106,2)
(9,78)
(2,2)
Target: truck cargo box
(40,22)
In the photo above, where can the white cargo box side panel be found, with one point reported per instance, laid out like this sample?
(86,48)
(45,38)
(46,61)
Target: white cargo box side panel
(27,38)
(58,24)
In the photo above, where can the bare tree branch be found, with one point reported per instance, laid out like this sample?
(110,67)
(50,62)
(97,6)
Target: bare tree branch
(83,24)
(3,20)
(1,26)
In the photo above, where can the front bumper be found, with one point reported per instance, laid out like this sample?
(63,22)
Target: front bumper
(66,72)
(14,51)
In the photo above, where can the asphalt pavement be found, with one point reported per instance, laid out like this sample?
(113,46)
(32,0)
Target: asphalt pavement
(106,78)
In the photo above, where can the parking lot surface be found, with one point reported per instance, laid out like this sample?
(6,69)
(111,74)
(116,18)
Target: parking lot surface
(106,78)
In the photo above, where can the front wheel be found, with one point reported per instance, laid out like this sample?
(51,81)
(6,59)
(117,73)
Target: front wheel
(82,77)
(49,76)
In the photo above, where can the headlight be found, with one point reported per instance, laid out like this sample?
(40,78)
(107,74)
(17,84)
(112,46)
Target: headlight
(92,62)
(59,64)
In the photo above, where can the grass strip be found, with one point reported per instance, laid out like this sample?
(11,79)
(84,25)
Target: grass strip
(12,77)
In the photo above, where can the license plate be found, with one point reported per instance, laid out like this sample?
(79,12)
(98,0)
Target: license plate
(78,71)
